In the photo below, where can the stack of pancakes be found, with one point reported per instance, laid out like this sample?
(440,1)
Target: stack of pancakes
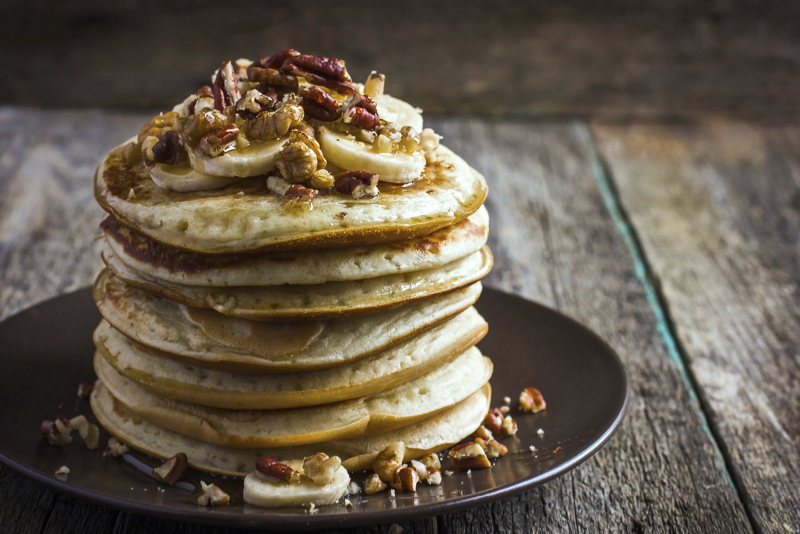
(239,324)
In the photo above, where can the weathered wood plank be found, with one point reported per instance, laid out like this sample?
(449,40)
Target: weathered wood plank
(716,209)
(24,505)
(554,242)
(621,57)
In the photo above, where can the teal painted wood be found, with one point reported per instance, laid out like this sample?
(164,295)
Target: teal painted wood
(715,209)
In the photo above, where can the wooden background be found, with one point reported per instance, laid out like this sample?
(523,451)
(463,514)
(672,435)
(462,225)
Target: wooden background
(644,168)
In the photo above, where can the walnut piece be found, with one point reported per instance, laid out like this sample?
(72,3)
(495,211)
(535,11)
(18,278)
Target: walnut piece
(89,432)
(253,103)
(374,484)
(171,470)
(321,179)
(509,426)
(408,478)
(388,460)
(169,149)
(469,456)
(357,184)
(431,460)
(56,432)
(274,124)
(270,468)
(321,468)
(426,473)
(212,495)
(492,448)
(201,123)
(300,158)
(531,400)
(359,110)
(494,422)
(483,433)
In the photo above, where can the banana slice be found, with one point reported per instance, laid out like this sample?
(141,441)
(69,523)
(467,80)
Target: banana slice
(393,109)
(268,494)
(258,158)
(353,155)
(185,179)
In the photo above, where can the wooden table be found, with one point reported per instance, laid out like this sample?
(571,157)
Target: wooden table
(678,244)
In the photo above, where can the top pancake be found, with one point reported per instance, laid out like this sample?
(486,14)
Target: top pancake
(246,216)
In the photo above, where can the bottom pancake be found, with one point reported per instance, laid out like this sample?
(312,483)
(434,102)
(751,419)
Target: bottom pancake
(423,437)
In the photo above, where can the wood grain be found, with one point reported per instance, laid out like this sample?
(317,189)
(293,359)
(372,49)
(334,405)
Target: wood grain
(554,241)
(717,210)
(652,58)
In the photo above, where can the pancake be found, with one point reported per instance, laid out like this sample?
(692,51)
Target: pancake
(209,339)
(423,437)
(332,300)
(403,362)
(222,221)
(374,414)
(297,267)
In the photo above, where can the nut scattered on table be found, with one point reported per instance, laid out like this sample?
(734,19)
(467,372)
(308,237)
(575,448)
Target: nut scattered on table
(56,432)
(115,448)
(469,456)
(172,470)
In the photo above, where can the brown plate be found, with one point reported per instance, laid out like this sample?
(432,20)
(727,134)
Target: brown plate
(47,351)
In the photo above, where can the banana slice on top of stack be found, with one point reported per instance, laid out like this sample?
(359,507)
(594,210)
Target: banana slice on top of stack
(291,264)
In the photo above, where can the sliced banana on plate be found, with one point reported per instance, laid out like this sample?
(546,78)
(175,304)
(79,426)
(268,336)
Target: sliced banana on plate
(261,492)
(185,179)
(258,158)
(353,155)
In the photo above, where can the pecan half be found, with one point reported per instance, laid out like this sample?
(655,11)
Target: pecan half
(219,141)
(270,468)
(171,470)
(318,70)
(300,158)
(531,400)
(226,90)
(319,105)
(273,80)
(272,62)
(359,110)
(357,184)
(169,149)
(202,123)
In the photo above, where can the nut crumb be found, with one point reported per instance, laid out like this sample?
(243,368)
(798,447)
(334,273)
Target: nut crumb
(505,409)
(448,473)
(131,194)
(212,495)
(540,432)
(391,493)
(347,503)
(115,448)
(63,470)
(311,509)
(469,471)
(507,400)
(533,449)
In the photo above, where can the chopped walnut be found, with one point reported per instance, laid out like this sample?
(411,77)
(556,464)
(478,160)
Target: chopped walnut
(357,184)
(374,484)
(172,469)
(147,150)
(212,495)
(169,149)
(469,456)
(389,460)
(353,488)
(408,478)
(434,479)
(202,123)
(253,103)
(409,139)
(270,468)
(428,143)
(300,158)
(158,125)
(115,448)
(274,124)
(494,422)
(483,433)
(492,448)
(427,473)
(89,432)
(509,426)
(57,432)
(320,468)
(321,179)
(431,460)
(531,400)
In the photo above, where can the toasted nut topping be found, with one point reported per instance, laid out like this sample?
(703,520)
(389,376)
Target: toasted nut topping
(509,426)
(319,105)
(531,400)
(89,432)
(374,484)
(201,123)
(375,84)
(469,456)
(115,448)
(389,460)
(492,448)
(359,110)
(270,468)
(226,90)
(56,432)
(483,433)
(169,149)
(253,103)
(212,495)
(327,72)
(274,124)
(300,158)
(431,460)
(84,389)
(171,470)
(408,477)
(217,142)
(320,468)
(357,184)
(494,422)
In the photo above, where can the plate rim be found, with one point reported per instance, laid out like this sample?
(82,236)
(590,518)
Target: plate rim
(218,517)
